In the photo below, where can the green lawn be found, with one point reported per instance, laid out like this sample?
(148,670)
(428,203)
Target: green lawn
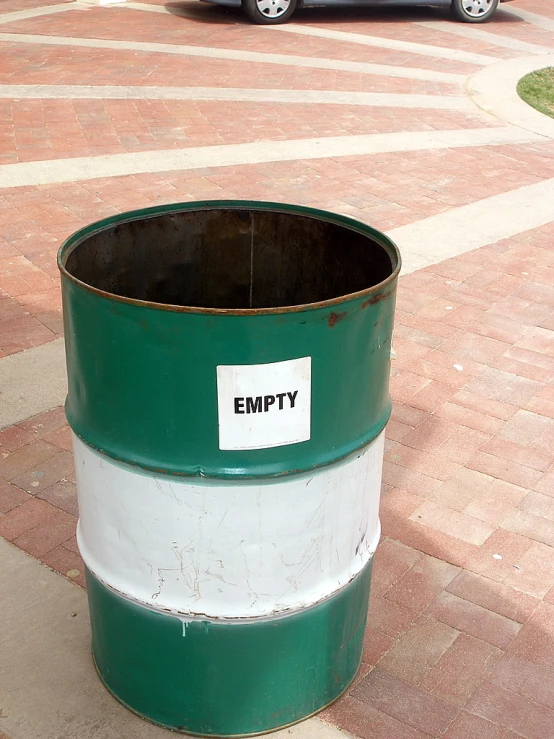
(537,89)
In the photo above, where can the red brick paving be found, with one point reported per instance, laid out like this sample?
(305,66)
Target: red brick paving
(524,31)
(13,6)
(526,678)
(468,726)
(167,29)
(405,702)
(460,637)
(19,329)
(49,129)
(34,220)
(511,711)
(460,670)
(30,64)
(485,641)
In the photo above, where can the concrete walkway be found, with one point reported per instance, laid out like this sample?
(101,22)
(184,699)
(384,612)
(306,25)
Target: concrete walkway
(400,118)
(46,656)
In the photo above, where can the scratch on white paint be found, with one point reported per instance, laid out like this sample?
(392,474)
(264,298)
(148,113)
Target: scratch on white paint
(160,583)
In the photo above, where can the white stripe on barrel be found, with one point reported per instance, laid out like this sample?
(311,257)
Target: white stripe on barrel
(224,549)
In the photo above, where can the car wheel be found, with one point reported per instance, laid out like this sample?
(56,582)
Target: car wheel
(269,12)
(474,11)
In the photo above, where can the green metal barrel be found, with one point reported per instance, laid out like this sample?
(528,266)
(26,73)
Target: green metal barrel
(228,368)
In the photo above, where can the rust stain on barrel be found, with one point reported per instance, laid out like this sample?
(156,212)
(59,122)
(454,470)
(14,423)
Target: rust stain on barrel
(376,299)
(335,318)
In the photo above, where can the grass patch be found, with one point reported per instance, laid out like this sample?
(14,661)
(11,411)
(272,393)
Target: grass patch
(537,89)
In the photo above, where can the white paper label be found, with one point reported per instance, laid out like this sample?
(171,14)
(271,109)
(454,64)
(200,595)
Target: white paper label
(264,405)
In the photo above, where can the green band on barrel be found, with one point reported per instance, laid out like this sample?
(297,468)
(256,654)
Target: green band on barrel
(142,378)
(142,382)
(228,679)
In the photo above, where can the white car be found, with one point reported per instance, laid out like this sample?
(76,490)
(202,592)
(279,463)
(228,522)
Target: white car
(270,12)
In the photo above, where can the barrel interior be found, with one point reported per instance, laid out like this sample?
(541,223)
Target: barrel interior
(230,259)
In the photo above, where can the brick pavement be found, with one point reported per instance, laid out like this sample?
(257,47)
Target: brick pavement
(460,638)
(36,129)
(163,28)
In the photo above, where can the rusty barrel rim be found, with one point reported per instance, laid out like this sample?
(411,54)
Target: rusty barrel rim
(85,233)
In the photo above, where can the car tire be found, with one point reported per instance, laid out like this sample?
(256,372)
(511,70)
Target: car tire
(474,11)
(269,12)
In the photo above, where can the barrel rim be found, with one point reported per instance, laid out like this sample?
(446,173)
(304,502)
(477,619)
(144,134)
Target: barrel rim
(77,238)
